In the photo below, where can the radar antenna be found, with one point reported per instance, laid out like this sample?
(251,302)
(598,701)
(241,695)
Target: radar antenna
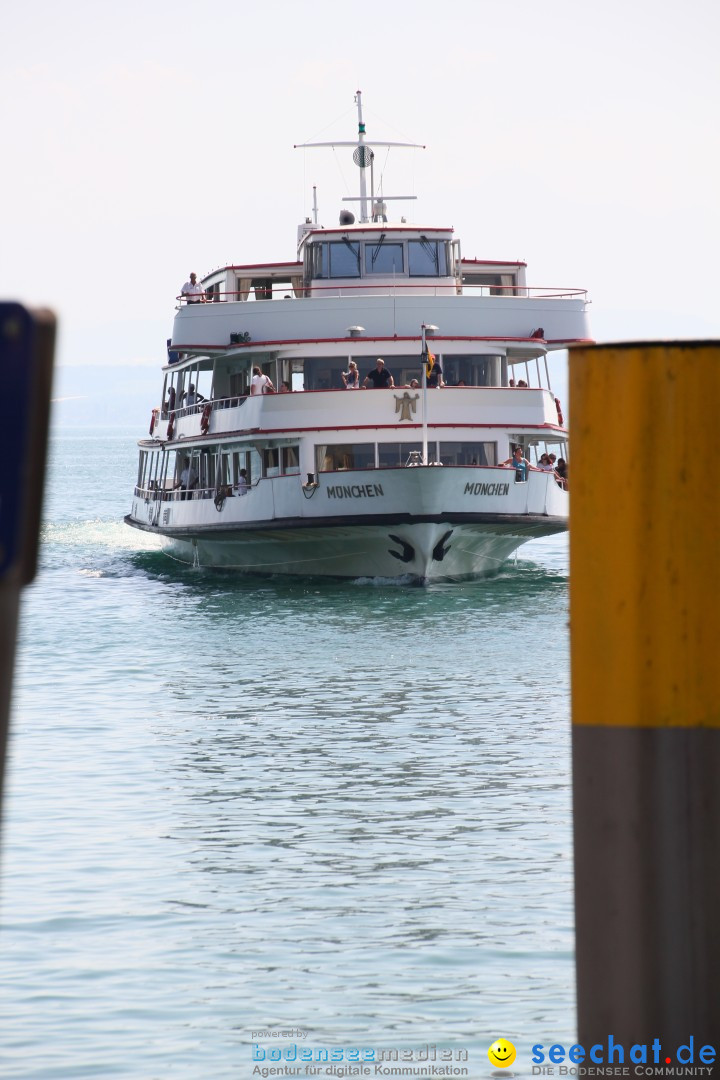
(363,157)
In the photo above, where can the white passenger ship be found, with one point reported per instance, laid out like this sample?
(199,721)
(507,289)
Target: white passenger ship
(403,482)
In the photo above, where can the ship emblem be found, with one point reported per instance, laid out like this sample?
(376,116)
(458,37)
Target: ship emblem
(408,551)
(406,405)
(442,547)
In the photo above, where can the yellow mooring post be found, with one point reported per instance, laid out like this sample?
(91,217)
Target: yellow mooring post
(645,636)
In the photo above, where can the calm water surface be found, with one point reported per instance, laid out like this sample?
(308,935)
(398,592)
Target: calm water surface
(235,806)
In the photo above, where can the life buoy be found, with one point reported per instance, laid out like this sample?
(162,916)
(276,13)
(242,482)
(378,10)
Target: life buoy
(205,419)
(558,406)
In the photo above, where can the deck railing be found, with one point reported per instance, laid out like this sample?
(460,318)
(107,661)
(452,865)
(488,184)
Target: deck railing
(525,292)
(173,494)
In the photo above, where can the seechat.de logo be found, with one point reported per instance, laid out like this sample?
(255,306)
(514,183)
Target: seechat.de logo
(612,1053)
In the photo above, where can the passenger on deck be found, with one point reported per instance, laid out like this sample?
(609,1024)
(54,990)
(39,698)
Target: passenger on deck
(191,397)
(188,479)
(545,463)
(511,382)
(261,384)
(435,378)
(522,384)
(520,464)
(351,377)
(242,487)
(193,291)
(561,471)
(170,403)
(285,388)
(414,384)
(379,378)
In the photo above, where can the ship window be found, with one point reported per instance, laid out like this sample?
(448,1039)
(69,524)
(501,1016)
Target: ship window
(271,462)
(318,260)
(468,453)
(223,474)
(343,456)
(427,258)
(247,460)
(481,370)
(393,455)
(206,469)
(290,459)
(496,284)
(382,258)
(254,464)
(344,259)
(323,372)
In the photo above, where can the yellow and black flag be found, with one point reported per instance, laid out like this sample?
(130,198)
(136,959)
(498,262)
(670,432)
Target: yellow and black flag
(429,362)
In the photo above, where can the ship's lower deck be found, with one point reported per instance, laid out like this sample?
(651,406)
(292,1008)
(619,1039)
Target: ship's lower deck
(422,524)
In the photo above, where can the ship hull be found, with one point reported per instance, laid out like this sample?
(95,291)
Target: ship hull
(416,552)
(425,524)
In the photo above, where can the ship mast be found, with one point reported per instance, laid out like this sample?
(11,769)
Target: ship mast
(362,154)
(363,157)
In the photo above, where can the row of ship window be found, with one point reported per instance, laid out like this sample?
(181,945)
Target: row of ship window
(218,467)
(227,389)
(352,259)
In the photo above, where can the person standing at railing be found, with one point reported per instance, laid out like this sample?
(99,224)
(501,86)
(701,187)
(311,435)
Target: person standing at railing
(351,377)
(193,291)
(520,464)
(435,378)
(191,397)
(379,378)
(188,479)
(561,472)
(261,384)
(170,403)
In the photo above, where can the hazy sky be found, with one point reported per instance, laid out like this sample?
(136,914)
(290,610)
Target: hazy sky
(147,139)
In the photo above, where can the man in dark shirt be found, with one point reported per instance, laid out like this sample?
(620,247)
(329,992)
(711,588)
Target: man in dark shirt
(380,378)
(435,378)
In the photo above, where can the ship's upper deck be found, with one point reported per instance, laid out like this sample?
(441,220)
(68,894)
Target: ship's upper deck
(371,284)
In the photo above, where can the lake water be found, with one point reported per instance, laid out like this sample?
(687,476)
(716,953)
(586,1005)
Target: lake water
(240,806)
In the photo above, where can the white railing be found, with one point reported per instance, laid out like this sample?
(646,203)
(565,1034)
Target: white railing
(524,292)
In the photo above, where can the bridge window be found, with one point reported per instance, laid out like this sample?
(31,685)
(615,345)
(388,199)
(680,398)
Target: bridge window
(339,259)
(427,258)
(344,259)
(382,258)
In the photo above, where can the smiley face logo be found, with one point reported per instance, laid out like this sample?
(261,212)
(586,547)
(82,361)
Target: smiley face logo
(501,1053)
